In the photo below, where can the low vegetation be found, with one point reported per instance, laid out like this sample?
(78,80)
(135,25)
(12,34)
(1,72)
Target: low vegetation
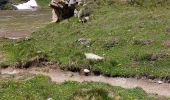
(40,88)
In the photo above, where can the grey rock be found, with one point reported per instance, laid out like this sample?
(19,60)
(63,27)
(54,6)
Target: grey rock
(84,41)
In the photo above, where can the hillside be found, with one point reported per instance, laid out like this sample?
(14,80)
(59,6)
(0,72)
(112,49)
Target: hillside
(133,39)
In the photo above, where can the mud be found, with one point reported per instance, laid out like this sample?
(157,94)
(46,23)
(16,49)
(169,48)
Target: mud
(59,76)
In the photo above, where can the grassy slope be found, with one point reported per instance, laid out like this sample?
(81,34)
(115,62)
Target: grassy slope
(43,3)
(129,25)
(40,88)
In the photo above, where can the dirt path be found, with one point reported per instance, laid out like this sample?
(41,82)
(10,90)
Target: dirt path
(59,76)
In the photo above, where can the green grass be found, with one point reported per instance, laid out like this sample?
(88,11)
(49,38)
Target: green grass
(43,3)
(130,25)
(40,88)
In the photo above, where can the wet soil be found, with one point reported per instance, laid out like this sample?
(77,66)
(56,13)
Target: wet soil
(59,76)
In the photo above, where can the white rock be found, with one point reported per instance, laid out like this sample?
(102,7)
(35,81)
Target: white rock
(86,71)
(160,82)
(93,56)
(87,18)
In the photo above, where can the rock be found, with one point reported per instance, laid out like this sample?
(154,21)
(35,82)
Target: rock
(49,99)
(83,13)
(86,71)
(160,82)
(158,55)
(84,41)
(39,52)
(92,56)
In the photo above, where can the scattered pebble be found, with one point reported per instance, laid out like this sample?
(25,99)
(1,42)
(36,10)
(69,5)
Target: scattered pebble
(86,71)
(39,52)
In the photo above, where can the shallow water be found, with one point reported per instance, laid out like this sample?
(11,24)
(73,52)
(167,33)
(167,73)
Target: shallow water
(15,23)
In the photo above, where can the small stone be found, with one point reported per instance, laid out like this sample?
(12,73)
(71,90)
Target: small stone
(84,41)
(92,56)
(86,71)
(87,18)
(160,82)
(39,52)
(49,99)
